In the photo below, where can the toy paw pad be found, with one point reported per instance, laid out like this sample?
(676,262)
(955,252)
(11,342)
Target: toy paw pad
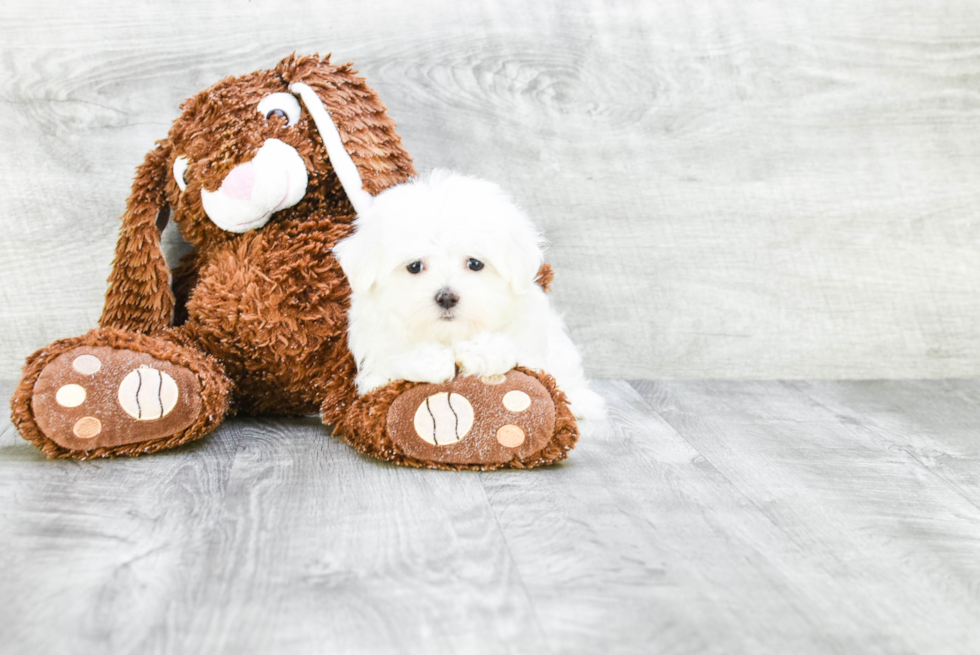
(473,421)
(99,397)
(444,418)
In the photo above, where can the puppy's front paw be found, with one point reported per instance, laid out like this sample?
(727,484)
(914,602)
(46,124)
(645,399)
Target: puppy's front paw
(430,362)
(485,355)
(370,381)
(586,404)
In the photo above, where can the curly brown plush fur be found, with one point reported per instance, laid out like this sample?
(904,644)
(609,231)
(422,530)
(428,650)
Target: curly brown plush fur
(259,317)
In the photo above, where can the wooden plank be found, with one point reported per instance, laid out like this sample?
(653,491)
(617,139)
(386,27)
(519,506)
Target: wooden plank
(319,549)
(95,556)
(934,422)
(706,517)
(268,537)
(732,189)
(639,543)
(893,545)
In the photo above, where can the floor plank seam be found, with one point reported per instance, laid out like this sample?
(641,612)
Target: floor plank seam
(882,433)
(213,530)
(798,549)
(744,494)
(513,562)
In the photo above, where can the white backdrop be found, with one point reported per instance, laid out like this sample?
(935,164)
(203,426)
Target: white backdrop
(732,189)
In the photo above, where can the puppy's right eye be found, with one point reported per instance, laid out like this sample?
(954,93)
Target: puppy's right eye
(415,267)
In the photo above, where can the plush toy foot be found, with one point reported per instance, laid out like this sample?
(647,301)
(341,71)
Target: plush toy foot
(114,393)
(517,420)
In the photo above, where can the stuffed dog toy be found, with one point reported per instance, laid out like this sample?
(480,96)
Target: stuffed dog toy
(263,175)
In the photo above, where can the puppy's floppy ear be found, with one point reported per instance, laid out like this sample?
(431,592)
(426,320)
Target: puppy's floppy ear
(139,296)
(343,105)
(360,258)
(522,256)
(515,246)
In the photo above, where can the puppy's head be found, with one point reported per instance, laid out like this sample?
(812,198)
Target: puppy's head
(448,255)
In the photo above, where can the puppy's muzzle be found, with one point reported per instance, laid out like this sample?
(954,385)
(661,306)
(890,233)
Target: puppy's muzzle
(252,192)
(447,298)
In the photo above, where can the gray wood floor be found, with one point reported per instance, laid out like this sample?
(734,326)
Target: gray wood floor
(702,517)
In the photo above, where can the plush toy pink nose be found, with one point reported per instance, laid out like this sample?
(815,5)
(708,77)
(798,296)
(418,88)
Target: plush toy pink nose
(238,184)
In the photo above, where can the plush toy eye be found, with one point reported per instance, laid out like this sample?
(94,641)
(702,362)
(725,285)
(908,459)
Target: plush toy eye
(415,267)
(474,264)
(180,172)
(284,105)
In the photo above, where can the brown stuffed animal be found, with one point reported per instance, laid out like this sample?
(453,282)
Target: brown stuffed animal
(262,174)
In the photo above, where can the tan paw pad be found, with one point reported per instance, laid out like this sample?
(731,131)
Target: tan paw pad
(87,364)
(148,394)
(444,418)
(70,395)
(87,427)
(516,401)
(510,436)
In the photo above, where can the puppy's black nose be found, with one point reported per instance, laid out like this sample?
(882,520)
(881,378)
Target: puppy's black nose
(447,298)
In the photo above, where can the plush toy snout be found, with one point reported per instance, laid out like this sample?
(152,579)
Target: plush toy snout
(273,180)
(276,178)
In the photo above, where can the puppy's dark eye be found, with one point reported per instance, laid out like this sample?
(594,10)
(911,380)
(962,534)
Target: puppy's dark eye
(415,267)
(474,264)
(277,112)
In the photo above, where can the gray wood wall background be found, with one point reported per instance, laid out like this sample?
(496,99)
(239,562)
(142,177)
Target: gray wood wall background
(761,189)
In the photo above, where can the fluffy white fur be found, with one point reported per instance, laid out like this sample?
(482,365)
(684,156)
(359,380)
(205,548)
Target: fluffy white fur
(398,331)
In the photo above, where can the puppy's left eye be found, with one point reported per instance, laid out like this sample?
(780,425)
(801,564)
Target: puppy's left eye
(474,264)
(415,267)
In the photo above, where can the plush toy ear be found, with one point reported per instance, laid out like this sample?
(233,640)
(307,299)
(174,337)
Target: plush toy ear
(364,148)
(343,164)
(139,296)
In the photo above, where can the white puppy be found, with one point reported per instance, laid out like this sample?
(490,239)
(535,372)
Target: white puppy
(442,272)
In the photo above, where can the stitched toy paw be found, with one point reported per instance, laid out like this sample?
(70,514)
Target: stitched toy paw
(100,397)
(113,392)
(503,420)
